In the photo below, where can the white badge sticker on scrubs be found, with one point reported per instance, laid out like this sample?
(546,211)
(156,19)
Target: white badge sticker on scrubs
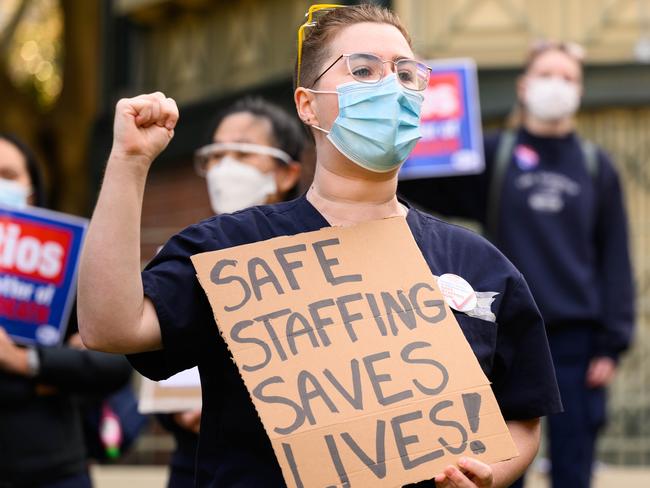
(458,293)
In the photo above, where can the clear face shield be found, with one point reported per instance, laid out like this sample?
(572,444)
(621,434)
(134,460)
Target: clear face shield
(217,151)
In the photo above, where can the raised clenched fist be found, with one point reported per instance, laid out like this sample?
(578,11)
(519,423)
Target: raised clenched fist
(143,126)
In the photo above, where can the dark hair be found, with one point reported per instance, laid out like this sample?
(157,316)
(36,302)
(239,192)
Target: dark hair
(315,46)
(33,168)
(286,132)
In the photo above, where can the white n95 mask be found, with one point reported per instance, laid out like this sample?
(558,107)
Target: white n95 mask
(551,98)
(233,185)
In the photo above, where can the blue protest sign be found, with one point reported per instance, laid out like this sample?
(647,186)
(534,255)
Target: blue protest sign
(39,253)
(452,141)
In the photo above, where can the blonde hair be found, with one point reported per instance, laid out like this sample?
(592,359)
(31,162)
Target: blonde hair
(541,46)
(315,47)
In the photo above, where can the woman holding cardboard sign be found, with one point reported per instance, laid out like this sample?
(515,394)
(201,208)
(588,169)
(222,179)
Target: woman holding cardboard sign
(359,88)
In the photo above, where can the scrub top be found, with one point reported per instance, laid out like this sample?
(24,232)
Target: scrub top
(508,337)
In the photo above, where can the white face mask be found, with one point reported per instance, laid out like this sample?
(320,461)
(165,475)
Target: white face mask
(13,194)
(233,185)
(550,99)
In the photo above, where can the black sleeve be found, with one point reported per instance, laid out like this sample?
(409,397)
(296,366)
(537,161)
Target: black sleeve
(80,371)
(152,364)
(615,271)
(184,313)
(15,390)
(454,196)
(523,378)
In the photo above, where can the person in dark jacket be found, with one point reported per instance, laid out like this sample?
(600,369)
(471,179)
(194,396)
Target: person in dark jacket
(41,437)
(552,203)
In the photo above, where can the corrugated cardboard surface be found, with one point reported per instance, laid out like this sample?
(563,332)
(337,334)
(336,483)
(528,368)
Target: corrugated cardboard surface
(357,368)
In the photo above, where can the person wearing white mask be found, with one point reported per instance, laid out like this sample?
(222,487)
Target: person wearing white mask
(254,157)
(552,203)
(20,180)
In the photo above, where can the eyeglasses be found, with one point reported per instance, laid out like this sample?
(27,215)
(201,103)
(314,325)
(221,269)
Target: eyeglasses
(369,68)
(218,150)
(310,22)
(573,49)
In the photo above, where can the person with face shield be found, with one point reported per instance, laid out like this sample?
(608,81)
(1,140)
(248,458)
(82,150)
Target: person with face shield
(552,203)
(42,388)
(253,159)
(359,88)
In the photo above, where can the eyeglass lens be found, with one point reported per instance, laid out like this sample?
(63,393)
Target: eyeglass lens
(368,68)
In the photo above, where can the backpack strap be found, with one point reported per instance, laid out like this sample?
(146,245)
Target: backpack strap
(503,157)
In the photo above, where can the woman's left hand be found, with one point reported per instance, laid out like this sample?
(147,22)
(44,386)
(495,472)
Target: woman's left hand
(470,473)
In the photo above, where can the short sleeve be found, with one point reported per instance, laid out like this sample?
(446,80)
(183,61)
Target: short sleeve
(523,378)
(184,314)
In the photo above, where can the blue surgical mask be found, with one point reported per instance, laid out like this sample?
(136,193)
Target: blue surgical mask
(378,124)
(13,194)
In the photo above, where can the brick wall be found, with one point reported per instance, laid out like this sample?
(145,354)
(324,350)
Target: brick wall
(174,198)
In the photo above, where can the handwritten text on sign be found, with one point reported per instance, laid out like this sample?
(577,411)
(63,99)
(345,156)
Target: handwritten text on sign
(356,366)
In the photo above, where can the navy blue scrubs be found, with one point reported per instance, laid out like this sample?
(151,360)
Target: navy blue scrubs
(234,450)
(565,229)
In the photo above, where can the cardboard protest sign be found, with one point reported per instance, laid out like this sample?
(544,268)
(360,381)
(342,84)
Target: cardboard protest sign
(357,368)
(452,141)
(175,394)
(39,252)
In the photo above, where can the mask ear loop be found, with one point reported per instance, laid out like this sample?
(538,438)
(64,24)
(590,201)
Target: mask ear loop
(317,92)
(324,131)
